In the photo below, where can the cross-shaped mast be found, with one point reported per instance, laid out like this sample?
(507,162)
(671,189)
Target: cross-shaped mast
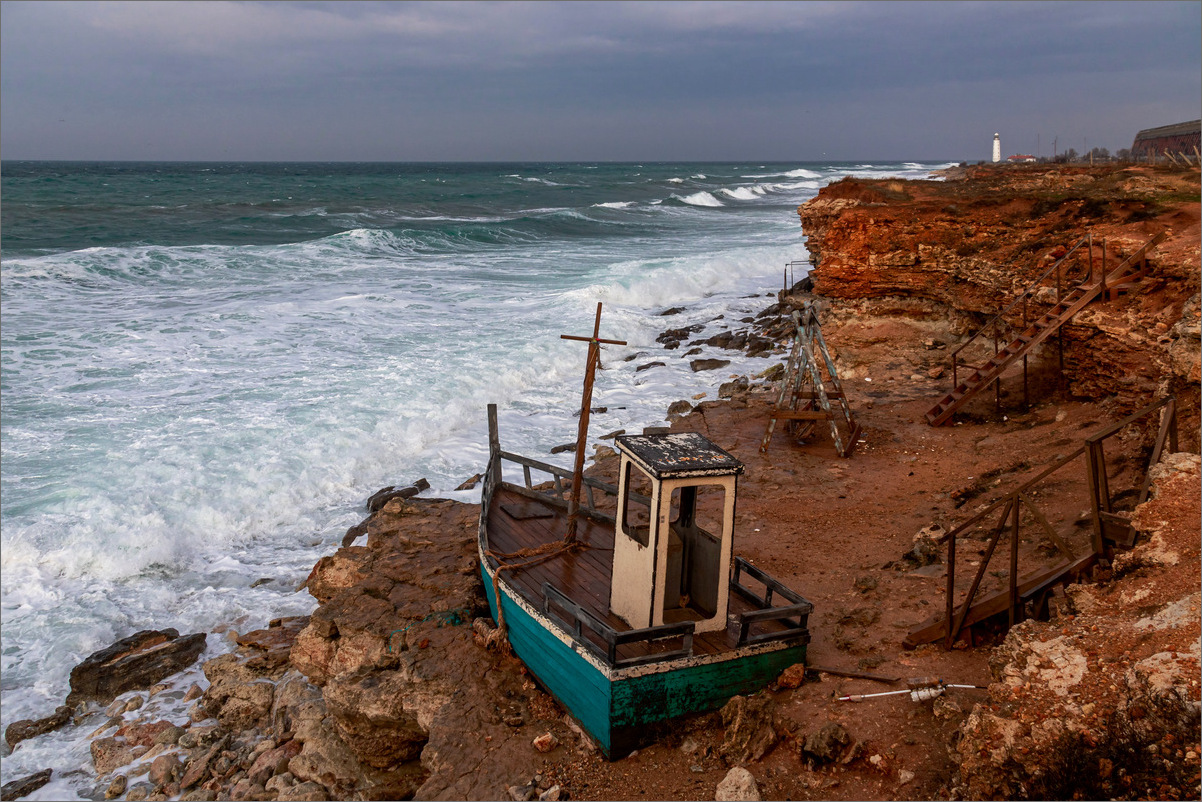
(594,356)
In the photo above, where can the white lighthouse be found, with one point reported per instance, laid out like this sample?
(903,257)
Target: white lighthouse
(997,149)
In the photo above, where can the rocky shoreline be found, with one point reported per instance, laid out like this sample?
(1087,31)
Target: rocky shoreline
(396,686)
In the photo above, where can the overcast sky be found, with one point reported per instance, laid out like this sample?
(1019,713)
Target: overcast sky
(393,81)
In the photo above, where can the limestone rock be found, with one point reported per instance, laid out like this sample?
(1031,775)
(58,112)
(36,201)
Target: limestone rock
(737,786)
(749,731)
(138,661)
(828,744)
(28,728)
(25,786)
(699,365)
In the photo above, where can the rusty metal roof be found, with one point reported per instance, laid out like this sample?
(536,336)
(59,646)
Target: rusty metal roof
(679,456)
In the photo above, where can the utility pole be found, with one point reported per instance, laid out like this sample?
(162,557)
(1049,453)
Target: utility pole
(1055,139)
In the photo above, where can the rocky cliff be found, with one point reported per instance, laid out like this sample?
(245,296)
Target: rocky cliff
(956,252)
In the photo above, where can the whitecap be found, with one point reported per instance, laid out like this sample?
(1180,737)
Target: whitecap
(615,205)
(742,193)
(702,198)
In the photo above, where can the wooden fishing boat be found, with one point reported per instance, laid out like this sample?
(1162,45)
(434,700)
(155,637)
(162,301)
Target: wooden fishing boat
(627,604)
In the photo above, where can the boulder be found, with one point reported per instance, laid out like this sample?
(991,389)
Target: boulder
(25,785)
(828,744)
(699,365)
(737,786)
(109,754)
(138,661)
(749,731)
(28,728)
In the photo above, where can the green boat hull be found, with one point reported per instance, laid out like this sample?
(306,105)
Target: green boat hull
(618,708)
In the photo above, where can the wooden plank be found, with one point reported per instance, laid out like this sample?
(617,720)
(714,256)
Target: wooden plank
(935,627)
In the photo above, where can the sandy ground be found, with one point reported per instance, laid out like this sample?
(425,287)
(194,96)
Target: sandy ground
(836,530)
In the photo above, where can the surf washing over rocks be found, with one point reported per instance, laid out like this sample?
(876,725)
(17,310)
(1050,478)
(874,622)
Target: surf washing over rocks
(208,367)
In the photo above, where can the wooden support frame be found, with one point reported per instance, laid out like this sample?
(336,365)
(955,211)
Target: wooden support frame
(804,393)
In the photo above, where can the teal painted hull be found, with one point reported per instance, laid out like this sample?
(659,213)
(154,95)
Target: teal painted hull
(618,708)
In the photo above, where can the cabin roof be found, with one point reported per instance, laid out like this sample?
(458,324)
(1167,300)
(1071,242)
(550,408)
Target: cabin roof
(679,456)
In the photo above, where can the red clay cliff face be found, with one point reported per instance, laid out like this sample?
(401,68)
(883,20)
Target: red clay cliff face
(956,252)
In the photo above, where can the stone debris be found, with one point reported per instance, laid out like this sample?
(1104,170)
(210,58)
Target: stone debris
(737,786)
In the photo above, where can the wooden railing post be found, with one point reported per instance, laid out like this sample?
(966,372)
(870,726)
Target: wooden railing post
(950,601)
(494,446)
(1014,564)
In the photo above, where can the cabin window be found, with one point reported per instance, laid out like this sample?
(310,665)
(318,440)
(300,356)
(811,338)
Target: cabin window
(636,505)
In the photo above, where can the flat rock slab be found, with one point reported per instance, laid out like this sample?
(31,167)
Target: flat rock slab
(699,365)
(25,786)
(138,661)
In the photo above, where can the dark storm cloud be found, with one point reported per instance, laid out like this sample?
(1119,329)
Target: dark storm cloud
(211,80)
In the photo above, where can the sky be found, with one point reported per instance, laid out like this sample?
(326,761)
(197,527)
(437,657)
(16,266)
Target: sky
(588,81)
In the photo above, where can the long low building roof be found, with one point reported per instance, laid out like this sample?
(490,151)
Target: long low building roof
(1176,129)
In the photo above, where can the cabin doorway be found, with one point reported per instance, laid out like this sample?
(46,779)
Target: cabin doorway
(694,553)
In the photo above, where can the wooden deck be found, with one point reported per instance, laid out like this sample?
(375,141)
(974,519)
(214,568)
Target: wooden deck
(516,522)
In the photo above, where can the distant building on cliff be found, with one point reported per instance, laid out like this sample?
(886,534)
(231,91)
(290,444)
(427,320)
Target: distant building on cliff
(1180,138)
(1020,157)
(997,148)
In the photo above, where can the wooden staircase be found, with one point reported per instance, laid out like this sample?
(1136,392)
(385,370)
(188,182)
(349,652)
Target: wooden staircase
(1026,337)
(809,386)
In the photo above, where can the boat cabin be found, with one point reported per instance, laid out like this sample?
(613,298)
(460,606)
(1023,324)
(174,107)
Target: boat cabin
(674,531)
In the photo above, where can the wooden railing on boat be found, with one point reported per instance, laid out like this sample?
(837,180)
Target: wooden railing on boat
(579,618)
(794,615)
(598,636)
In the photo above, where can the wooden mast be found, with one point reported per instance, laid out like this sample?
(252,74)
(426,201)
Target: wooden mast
(594,356)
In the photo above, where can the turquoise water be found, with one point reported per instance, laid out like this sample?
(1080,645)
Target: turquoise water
(206,368)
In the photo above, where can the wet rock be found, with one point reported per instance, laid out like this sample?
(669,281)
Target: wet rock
(29,728)
(732,388)
(110,754)
(237,696)
(749,731)
(675,310)
(164,769)
(381,497)
(828,744)
(25,786)
(139,792)
(116,787)
(672,337)
(198,768)
(680,408)
(471,483)
(138,661)
(647,366)
(699,365)
(737,786)
(353,533)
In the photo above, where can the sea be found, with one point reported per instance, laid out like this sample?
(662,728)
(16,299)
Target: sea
(207,368)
